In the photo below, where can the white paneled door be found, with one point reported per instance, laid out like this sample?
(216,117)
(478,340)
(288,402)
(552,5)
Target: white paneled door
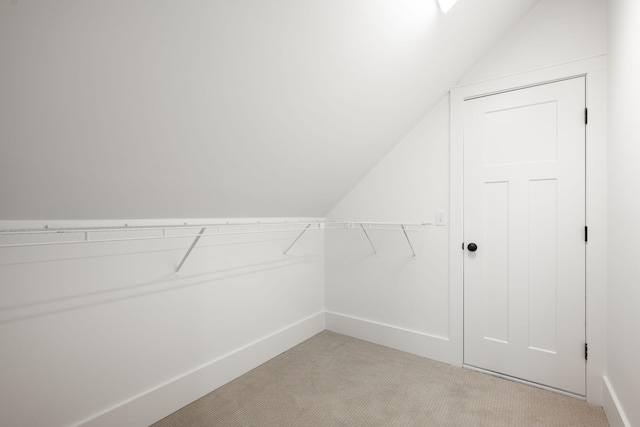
(524,231)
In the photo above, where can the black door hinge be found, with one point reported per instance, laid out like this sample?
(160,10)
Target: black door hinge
(586,233)
(586,351)
(586,116)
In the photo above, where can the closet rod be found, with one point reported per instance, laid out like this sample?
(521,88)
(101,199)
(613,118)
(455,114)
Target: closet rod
(93,234)
(53,230)
(127,239)
(375,225)
(288,224)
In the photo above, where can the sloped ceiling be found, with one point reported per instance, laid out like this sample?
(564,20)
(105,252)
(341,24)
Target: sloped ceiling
(237,108)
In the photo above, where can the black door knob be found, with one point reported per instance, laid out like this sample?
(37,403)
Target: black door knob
(472,247)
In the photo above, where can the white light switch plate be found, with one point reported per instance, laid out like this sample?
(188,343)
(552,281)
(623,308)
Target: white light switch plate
(441,218)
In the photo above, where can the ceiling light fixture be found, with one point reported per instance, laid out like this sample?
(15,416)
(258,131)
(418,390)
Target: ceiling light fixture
(445,5)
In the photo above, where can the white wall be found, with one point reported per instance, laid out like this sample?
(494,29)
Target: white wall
(104,333)
(406,304)
(218,108)
(553,32)
(410,296)
(624,207)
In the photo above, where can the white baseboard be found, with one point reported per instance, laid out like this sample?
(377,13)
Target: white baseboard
(415,342)
(612,407)
(161,401)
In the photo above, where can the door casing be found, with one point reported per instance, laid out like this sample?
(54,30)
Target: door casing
(594,70)
(534,181)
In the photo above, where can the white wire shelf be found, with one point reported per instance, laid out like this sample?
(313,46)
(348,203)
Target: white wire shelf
(106,233)
(50,236)
(375,225)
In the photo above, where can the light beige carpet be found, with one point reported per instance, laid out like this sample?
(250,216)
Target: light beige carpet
(334,380)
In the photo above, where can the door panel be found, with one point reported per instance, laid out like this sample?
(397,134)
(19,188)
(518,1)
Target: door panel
(524,197)
(496,268)
(543,268)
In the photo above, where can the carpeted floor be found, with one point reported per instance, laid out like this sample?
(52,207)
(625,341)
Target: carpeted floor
(334,380)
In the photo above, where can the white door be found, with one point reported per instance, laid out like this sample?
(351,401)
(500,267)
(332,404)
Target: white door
(524,209)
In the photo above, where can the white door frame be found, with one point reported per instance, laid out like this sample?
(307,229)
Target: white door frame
(596,180)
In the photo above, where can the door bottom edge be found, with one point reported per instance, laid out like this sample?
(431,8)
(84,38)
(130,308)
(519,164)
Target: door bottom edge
(525,382)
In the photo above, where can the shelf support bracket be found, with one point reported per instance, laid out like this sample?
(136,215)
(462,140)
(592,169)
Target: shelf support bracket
(193,245)
(375,251)
(404,230)
(297,238)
